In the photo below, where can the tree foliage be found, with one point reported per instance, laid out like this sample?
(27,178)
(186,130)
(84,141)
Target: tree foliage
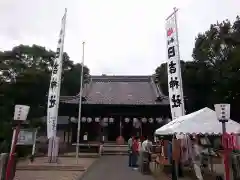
(214,74)
(25,76)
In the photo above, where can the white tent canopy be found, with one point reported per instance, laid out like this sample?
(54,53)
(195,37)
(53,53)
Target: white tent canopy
(203,121)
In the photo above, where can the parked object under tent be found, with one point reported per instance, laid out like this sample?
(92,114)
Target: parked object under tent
(202,123)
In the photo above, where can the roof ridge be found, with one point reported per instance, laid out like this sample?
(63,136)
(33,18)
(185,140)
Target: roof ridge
(118,88)
(121,78)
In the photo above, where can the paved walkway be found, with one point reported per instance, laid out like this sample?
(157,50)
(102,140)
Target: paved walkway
(114,168)
(47,175)
(34,174)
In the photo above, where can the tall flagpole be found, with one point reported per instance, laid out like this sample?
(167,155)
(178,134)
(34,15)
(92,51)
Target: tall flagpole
(54,93)
(80,105)
(175,88)
(180,79)
(55,84)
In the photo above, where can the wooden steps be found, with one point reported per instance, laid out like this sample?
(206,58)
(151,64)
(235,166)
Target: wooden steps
(114,149)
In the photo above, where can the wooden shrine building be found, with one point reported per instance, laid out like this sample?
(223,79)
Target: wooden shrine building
(114,106)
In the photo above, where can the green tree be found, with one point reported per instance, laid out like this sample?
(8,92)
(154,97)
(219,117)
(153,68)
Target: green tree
(71,80)
(25,76)
(213,75)
(218,49)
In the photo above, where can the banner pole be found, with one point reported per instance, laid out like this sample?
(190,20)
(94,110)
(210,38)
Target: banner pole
(80,105)
(54,89)
(177,39)
(12,152)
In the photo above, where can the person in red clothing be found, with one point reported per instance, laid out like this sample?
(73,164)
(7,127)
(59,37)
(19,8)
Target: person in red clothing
(135,152)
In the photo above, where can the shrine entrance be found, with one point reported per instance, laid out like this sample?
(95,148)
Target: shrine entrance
(113,130)
(117,126)
(127,127)
(122,127)
(127,130)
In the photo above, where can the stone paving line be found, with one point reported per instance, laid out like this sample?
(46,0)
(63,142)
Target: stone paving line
(53,175)
(48,175)
(70,161)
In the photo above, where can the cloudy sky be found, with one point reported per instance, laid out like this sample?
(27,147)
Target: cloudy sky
(122,36)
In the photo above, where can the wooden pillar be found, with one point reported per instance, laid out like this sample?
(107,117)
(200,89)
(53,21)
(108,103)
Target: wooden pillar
(102,133)
(99,131)
(68,129)
(120,140)
(120,126)
(74,132)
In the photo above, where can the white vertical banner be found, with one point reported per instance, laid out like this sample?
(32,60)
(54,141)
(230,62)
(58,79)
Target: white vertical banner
(174,68)
(55,84)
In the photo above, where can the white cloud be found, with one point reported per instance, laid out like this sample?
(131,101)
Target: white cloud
(122,36)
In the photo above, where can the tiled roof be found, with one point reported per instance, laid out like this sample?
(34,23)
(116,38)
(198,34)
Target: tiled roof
(131,90)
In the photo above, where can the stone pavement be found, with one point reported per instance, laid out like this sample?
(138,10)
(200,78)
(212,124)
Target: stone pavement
(62,161)
(52,174)
(106,168)
(48,175)
(114,168)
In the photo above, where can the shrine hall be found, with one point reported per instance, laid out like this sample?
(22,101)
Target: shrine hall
(114,106)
